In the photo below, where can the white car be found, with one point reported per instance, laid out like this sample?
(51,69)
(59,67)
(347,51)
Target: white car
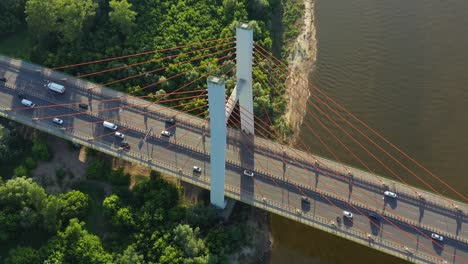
(57,121)
(165,133)
(248,173)
(390,194)
(348,214)
(437,237)
(119,135)
(196,169)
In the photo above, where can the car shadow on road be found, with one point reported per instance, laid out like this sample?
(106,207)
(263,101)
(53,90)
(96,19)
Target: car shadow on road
(392,202)
(348,223)
(421,212)
(438,247)
(375,226)
(305,206)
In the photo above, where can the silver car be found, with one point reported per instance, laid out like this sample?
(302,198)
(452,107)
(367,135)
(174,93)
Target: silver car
(165,133)
(390,194)
(348,214)
(196,169)
(437,237)
(57,121)
(248,173)
(119,135)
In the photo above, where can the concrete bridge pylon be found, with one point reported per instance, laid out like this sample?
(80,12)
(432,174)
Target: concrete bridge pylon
(217,108)
(220,112)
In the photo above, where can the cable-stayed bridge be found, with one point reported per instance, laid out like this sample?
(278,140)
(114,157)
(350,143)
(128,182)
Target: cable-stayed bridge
(283,176)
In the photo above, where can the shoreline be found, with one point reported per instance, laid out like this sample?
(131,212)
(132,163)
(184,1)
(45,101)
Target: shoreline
(301,61)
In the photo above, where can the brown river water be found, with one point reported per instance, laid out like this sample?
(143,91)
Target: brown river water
(402,67)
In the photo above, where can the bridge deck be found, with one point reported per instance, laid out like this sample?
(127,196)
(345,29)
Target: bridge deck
(274,186)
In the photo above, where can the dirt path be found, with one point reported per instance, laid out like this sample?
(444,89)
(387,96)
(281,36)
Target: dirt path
(64,157)
(301,62)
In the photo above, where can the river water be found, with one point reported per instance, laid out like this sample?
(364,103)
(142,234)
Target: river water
(402,67)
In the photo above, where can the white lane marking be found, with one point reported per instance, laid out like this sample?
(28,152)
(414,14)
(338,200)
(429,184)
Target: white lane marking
(411,212)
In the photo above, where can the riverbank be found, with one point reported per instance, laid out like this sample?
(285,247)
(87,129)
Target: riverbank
(301,61)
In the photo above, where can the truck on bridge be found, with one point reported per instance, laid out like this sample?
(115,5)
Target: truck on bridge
(55,87)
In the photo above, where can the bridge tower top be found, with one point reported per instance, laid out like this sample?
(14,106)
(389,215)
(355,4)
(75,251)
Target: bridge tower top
(244,55)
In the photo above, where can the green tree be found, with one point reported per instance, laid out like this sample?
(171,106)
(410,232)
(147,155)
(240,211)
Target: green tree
(97,170)
(187,239)
(76,245)
(5,140)
(130,256)
(69,19)
(124,218)
(28,217)
(21,171)
(21,192)
(171,255)
(41,17)
(75,205)
(51,213)
(30,163)
(77,16)
(122,15)
(22,255)
(8,224)
(11,14)
(111,205)
(40,151)
(119,177)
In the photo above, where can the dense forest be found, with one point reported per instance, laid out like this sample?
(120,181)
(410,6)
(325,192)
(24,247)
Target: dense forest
(63,32)
(148,223)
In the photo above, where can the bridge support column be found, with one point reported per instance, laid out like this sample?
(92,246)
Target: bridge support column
(244,52)
(217,108)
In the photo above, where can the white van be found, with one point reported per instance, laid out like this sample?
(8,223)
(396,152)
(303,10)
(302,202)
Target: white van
(55,87)
(109,125)
(28,103)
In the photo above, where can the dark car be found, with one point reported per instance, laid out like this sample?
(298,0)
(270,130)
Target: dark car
(83,106)
(171,121)
(20,95)
(374,215)
(305,200)
(124,144)
(2,79)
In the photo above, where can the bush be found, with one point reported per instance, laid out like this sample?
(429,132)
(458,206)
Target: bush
(30,163)
(40,151)
(21,171)
(60,174)
(97,170)
(22,255)
(91,152)
(119,177)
